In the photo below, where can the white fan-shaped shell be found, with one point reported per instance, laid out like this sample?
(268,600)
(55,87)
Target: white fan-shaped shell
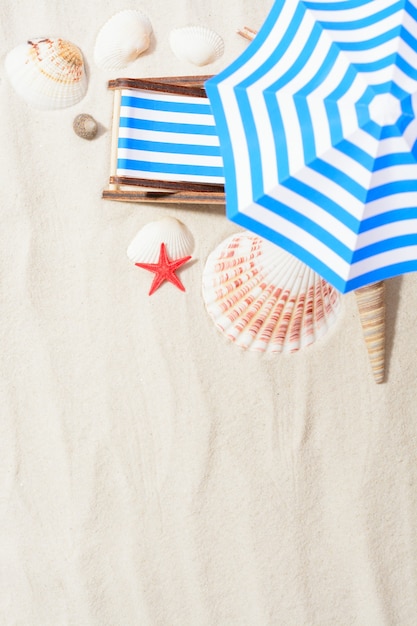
(196,44)
(122,39)
(48,73)
(263,298)
(146,245)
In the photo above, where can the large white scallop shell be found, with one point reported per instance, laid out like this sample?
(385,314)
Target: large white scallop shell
(48,73)
(122,39)
(146,245)
(196,44)
(263,298)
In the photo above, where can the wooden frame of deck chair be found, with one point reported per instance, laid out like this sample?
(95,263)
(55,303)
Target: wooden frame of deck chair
(164,145)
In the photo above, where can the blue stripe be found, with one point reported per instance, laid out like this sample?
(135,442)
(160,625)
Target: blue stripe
(172,148)
(392,59)
(411,9)
(398,158)
(369,44)
(328,205)
(363,22)
(201,108)
(389,189)
(408,37)
(379,163)
(169,168)
(386,245)
(336,6)
(379,64)
(332,109)
(362,114)
(405,67)
(340,178)
(300,101)
(357,154)
(381,132)
(388,217)
(225,146)
(167,127)
(382,273)
(311,227)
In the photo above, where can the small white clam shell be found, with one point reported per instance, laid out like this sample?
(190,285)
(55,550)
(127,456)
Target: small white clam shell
(48,73)
(263,298)
(146,245)
(122,39)
(196,44)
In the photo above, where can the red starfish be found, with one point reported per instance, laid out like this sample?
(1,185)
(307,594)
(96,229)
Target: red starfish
(164,270)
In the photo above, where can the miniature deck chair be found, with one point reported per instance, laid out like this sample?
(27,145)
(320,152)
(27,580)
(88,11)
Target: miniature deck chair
(165,146)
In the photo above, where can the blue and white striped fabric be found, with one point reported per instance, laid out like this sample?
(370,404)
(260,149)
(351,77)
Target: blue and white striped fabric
(168,137)
(319,138)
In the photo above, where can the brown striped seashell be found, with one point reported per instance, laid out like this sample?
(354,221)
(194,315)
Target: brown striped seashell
(85,126)
(262,298)
(371,305)
(48,73)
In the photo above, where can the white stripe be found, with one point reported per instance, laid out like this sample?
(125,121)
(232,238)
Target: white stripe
(384,259)
(167,157)
(182,138)
(351,168)
(366,32)
(409,23)
(167,116)
(265,133)
(395,229)
(352,14)
(331,190)
(393,174)
(397,145)
(372,54)
(240,151)
(318,215)
(403,80)
(390,203)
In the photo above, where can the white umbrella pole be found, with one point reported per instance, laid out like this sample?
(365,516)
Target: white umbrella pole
(371,305)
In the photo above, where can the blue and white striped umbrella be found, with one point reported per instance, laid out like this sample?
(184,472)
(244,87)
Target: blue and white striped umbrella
(317,128)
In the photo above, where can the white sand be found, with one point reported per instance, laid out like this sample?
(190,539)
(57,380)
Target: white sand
(151,473)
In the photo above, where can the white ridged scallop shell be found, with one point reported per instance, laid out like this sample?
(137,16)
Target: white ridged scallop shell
(122,39)
(146,245)
(196,44)
(48,73)
(263,298)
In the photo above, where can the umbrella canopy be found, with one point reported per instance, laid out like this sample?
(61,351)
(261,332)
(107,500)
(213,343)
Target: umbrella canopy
(318,135)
